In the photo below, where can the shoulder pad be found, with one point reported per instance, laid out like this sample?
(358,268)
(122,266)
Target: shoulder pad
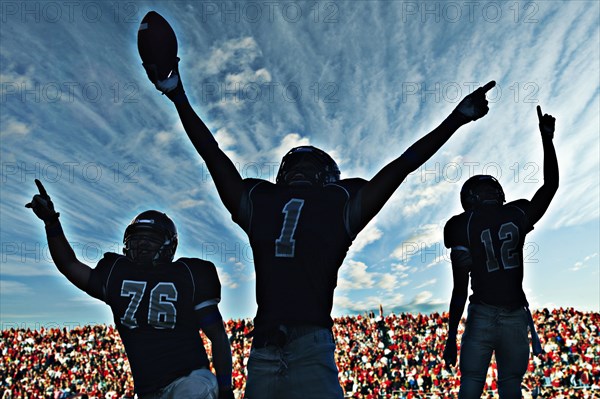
(194,262)
(352,185)
(523,204)
(453,229)
(111,257)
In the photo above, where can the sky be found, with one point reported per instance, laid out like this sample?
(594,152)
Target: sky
(362,80)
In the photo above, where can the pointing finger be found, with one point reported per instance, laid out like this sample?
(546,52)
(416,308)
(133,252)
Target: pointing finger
(489,86)
(40,187)
(539,112)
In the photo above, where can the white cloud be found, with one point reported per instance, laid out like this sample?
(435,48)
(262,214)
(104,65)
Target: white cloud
(14,288)
(427,283)
(226,279)
(583,263)
(422,198)
(288,142)
(163,137)
(367,236)
(12,126)
(422,297)
(388,281)
(233,52)
(424,238)
(224,138)
(189,203)
(354,275)
(22,259)
(248,81)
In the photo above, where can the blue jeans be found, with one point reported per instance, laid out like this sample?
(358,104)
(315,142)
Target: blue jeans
(301,369)
(499,330)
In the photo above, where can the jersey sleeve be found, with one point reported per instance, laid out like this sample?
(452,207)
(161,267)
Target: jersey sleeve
(207,287)
(243,217)
(455,232)
(455,238)
(100,274)
(352,212)
(524,206)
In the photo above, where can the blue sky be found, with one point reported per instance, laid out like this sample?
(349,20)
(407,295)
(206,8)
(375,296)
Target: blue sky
(362,80)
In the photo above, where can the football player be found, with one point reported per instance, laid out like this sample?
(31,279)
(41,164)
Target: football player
(300,229)
(159,305)
(486,242)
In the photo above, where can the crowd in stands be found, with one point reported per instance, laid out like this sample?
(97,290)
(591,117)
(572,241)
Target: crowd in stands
(393,356)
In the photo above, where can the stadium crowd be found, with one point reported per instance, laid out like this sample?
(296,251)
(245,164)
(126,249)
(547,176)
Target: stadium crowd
(393,356)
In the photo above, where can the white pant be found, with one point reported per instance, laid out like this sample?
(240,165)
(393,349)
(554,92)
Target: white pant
(199,384)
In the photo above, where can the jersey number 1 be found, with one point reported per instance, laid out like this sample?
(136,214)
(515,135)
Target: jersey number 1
(285,245)
(509,254)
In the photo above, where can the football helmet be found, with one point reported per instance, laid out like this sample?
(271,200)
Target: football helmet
(150,238)
(307,164)
(481,189)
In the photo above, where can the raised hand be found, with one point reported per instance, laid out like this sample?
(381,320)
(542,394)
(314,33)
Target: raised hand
(171,86)
(475,105)
(42,206)
(450,352)
(546,123)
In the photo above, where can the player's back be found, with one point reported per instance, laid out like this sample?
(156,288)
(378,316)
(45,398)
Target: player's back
(494,235)
(299,237)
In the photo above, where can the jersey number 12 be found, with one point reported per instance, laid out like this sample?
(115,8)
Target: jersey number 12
(509,253)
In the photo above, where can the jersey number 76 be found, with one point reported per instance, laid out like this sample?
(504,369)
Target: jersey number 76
(161,309)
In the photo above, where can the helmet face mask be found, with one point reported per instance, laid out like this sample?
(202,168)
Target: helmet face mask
(481,190)
(307,165)
(150,238)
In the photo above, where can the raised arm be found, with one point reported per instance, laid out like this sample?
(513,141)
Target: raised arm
(62,254)
(542,198)
(227,178)
(381,187)
(211,323)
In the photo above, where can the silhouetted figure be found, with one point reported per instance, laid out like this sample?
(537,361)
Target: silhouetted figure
(159,305)
(486,244)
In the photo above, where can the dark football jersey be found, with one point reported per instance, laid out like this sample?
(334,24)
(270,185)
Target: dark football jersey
(299,237)
(154,312)
(494,236)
